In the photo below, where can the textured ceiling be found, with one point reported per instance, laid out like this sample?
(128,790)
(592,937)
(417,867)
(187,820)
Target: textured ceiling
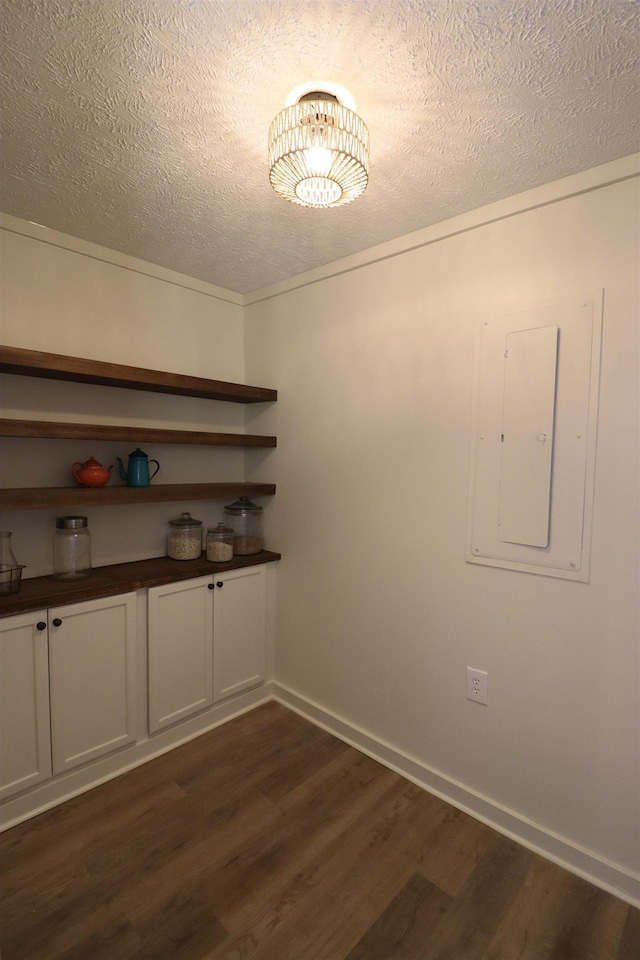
(141,125)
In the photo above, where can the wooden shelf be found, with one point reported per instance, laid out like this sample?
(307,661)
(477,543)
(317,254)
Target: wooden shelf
(53,366)
(42,498)
(33,363)
(42,592)
(48,429)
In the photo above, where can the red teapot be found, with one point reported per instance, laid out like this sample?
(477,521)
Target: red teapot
(91,473)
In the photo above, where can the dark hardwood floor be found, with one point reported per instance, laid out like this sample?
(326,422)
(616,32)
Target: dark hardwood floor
(269,839)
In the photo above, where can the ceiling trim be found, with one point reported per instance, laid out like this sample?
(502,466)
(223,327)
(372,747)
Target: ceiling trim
(93,251)
(594,179)
(605,175)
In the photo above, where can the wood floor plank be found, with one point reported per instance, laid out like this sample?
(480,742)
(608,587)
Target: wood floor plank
(186,929)
(43,891)
(268,839)
(469,925)
(223,750)
(327,909)
(403,928)
(90,828)
(592,924)
(225,768)
(454,850)
(319,811)
(545,914)
(136,882)
(64,906)
(263,896)
(630,943)
(116,939)
(216,789)
(125,797)
(167,832)
(355,879)
(298,769)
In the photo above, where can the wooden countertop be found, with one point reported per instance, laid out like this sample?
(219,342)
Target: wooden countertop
(42,592)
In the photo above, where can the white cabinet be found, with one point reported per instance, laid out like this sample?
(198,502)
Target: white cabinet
(25,741)
(67,688)
(207,639)
(92,671)
(239,630)
(71,703)
(180,617)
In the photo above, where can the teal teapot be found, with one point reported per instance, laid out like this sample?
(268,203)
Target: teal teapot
(138,473)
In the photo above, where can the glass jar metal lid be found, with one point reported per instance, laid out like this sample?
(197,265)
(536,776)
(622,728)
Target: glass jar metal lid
(242,506)
(185,520)
(71,523)
(221,531)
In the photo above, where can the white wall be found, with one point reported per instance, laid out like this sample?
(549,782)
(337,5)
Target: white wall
(62,295)
(378,614)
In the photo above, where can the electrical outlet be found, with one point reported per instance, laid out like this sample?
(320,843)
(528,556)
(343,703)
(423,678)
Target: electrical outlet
(477,685)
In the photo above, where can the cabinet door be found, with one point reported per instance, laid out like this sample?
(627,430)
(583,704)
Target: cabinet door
(180,651)
(239,630)
(25,736)
(92,666)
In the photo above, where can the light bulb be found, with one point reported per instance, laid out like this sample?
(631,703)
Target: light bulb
(318,161)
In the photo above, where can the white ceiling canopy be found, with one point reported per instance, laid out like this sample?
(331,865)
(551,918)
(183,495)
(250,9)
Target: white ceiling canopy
(142,125)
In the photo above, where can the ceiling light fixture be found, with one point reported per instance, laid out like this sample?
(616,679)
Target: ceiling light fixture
(318,152)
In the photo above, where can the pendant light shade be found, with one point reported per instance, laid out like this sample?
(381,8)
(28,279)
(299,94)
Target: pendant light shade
(318,152)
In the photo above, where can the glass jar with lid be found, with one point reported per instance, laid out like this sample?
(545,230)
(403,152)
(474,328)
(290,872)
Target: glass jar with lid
(220,543)
(246,519)
(71,549)
(184,541)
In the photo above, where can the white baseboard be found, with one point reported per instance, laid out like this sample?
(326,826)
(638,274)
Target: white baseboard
(67,785)
(584,863)
(608,876)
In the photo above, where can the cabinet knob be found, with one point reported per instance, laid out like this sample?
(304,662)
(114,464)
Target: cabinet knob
(57,622)
(220,583)
(211,586)
(41,625)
